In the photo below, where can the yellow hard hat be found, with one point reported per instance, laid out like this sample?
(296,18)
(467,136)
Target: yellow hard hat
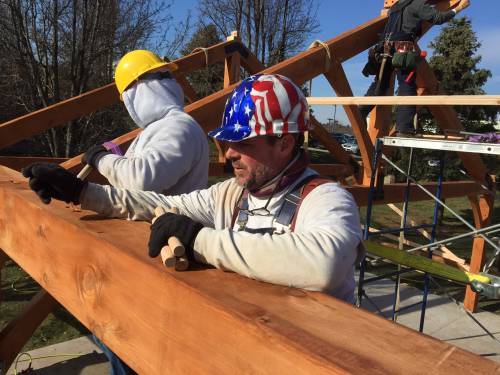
(136,63)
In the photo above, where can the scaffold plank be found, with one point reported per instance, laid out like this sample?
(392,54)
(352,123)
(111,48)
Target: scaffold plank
(443,145)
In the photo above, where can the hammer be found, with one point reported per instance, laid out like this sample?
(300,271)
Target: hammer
(174,253)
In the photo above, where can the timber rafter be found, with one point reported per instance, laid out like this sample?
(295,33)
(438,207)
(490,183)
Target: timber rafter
(207,321)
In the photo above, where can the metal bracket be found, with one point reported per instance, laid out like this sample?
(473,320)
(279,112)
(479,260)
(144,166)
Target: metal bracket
(491,290)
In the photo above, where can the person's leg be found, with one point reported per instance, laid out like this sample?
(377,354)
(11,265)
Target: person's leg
(367,108)
(372,90)
(118,367)
(406,113)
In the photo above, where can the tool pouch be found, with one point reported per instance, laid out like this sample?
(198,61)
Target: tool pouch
(406,60)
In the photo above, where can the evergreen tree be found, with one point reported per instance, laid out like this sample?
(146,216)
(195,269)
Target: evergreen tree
(455,63)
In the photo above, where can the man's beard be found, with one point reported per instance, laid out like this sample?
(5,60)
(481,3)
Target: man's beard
(256,179)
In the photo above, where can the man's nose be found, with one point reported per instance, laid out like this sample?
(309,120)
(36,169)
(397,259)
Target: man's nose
(231,154)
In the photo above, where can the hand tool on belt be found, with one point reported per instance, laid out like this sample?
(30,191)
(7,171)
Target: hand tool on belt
(385,56)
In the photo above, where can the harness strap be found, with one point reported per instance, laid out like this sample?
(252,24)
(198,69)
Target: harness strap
(306,189)
(242,210)
(288,211)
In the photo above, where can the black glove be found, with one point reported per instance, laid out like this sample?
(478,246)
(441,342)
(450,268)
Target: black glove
(49,180)
(168,225)
(92,153)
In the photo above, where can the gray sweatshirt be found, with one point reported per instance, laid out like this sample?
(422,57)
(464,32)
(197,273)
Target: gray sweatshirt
(171,154)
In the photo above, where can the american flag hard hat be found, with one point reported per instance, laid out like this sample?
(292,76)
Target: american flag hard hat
(263,104)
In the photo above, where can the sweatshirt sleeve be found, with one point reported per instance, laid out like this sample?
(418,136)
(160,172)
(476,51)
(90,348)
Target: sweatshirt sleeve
(430,14)
(170,150)
(319,255)
(140,205)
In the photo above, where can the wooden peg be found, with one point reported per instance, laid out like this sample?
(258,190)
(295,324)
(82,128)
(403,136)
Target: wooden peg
(84,172)
(174,253)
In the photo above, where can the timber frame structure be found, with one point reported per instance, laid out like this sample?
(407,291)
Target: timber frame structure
(185,322)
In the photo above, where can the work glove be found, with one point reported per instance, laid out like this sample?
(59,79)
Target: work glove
(462,5)
(168,225)
(49,180)
(92,154)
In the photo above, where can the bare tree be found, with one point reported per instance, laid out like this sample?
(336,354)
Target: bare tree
(272,29)
(61,48)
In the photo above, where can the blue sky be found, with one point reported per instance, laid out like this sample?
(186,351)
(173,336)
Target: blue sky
(337,16)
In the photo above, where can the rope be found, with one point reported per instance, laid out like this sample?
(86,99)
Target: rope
(205,51)
(328,56)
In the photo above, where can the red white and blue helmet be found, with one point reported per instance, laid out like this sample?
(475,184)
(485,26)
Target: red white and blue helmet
(263,104)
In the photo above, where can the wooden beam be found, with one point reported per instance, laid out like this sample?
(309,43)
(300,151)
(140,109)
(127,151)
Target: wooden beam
(394,193)
(427,100)
(217,169)
(17,333)
(55,115)
(19,162)
(189,92)
(330,143)
(338,80)
(445,253)
(232,64)
(482,210)
(186,322)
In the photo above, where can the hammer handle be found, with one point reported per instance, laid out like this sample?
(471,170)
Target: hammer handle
(84,172)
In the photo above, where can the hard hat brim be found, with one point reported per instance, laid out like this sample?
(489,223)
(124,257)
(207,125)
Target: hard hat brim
(227,134)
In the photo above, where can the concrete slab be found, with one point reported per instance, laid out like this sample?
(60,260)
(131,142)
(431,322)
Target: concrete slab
(444,319)
(74,357)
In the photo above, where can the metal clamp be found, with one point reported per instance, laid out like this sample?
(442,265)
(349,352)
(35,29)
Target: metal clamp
(490,290)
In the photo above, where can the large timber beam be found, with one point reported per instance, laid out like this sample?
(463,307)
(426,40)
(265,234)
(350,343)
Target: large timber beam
(339,82)
(205,321)
(394,193)
(58,114)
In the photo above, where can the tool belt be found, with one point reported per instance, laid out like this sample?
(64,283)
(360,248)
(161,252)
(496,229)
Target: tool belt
(403,46)
(405,55)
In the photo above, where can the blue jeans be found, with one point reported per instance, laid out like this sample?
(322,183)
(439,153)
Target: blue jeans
(404,113)
(118,367)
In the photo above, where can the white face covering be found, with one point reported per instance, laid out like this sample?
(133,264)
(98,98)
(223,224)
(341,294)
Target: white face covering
(150,99)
